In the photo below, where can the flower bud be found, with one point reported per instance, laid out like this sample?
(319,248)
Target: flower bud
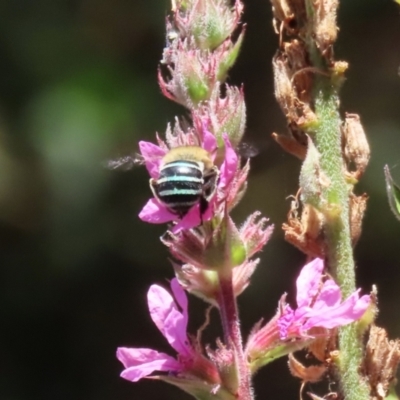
(226,248)
(209,22)
(224,358)
(255,233)
(225,114)
(193,74)
(197,281)
(222,247)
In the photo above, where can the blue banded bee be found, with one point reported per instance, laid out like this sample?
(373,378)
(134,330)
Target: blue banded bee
(187,177)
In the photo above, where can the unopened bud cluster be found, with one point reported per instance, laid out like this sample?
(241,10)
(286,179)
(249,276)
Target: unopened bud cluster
(200,51)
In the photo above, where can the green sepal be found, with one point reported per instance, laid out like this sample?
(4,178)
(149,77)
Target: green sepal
(275,352)
(393,192)
(226,248)
(229,59)
(368,318)
(237,247)
(208,31)
(235,125)
(197,89)
(200,390)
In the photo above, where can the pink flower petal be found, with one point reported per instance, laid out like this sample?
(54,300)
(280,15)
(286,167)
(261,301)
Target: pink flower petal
(190,220)
(319,306)
(155,213)
(209,141)
(140,363)
(330,296)
(349,311)
(152,155)
(285,321)
(308,282)
(169,320)
(209,213)
(180,296)
(229,166)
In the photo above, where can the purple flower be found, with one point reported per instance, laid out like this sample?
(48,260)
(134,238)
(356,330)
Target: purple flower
(157,213)
(319,304)
(164,311)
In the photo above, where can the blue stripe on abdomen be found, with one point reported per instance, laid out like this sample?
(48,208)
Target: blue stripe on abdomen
(181,168)
(180,178)
(179,192)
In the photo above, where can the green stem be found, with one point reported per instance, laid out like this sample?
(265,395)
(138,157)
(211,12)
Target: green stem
(337,230)
(336,197)
(340,261)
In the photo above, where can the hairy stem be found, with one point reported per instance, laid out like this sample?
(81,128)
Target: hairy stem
(337,231)
(340,261)
(233,337)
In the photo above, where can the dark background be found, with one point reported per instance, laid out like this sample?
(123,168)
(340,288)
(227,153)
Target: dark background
(78,86)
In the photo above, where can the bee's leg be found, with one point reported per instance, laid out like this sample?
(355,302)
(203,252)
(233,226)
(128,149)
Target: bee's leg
(210,183)
(153,184)
(203,208)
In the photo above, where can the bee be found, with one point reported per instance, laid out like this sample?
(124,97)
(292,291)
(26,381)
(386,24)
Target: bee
(187,177)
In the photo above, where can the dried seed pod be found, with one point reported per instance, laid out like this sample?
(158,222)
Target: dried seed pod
(381,360)
(355,145)
(358,205)
(288,16)
(306,232)
(301,73)
(291,145)
(325,28)
(312,373)
(323,344)
(284,90)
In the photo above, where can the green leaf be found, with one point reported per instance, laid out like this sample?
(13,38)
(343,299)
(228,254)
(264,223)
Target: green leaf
(393,192)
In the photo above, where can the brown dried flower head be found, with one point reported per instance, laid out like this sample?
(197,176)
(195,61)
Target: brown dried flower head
(355,145)
(381,361)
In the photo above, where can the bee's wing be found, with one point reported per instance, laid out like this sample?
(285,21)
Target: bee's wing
(248,150)
(124,163)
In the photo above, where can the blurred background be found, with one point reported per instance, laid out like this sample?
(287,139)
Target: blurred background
(77,87)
